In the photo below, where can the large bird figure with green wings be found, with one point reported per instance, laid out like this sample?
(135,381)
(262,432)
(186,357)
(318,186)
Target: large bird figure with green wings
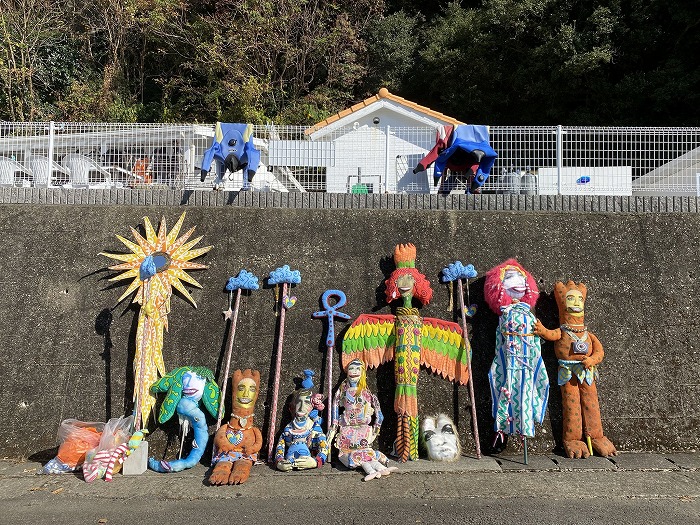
(411,341)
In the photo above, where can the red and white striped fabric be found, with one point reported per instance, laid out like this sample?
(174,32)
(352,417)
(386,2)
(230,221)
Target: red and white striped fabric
(96,466)
(103,462)
(117,457)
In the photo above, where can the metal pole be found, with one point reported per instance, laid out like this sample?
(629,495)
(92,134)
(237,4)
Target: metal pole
(386,160)
(560,155)
(52,130)
(475,429)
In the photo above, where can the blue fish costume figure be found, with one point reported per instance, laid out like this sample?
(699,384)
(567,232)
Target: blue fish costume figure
(232,150)
(463,149)
(186,387)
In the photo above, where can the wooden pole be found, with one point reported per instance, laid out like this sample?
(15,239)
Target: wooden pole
(233,317)
(329,386)
(475,426)
(142,358)
(525,449)
(330,313)
(276,383)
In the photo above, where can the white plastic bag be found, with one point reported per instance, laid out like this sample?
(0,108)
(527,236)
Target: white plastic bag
(100,461)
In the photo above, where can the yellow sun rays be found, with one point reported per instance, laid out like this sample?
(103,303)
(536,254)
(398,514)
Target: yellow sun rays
(179,251)
(153,291)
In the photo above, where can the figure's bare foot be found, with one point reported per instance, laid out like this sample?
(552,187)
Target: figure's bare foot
(220,474)
(389,470)
(284,465)
(576,449)
(370,476)
(240,472)
(604,447)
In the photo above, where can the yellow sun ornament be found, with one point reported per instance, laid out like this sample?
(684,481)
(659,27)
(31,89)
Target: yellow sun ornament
(157,264)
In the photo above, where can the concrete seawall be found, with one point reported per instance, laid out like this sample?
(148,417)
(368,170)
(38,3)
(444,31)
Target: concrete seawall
(66,346)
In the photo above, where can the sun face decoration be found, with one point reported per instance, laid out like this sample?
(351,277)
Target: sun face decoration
(157,264)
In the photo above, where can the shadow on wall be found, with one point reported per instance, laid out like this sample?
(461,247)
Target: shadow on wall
(103,323)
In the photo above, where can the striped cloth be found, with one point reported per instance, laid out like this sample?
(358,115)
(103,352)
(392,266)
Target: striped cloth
(103,462)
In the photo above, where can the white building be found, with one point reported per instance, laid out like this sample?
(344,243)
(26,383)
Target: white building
(680,176)
(372,146)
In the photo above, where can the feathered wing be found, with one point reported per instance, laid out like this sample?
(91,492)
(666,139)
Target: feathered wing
(406,443)
(444,349)
(370,338)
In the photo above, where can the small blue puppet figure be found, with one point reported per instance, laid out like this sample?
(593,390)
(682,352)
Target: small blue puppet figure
(232,150)
(302,444)
(316,399)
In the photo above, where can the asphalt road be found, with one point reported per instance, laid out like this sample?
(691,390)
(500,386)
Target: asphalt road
(523,497)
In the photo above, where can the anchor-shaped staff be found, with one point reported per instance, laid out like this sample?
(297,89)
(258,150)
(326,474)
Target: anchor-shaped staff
(244,281)
(284,276)
(330,312)
(456,272)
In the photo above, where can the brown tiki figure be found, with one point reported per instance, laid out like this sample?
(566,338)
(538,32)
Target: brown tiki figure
(579,352)
(237,443)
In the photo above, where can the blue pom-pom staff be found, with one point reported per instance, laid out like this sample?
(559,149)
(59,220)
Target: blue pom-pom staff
(245,280)
(457,271)
(285,276)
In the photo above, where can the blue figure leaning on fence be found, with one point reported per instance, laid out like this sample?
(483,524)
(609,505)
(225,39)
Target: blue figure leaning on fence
(466,152)
(232,150)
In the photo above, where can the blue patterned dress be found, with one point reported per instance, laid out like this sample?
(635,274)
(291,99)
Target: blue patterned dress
(518,378)
(302,440)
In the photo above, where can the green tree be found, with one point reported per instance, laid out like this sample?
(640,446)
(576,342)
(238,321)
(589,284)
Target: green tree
(563,62)
(31,31)
(497,64)
(391,53)
(269,59)
(297,61)
(657,76)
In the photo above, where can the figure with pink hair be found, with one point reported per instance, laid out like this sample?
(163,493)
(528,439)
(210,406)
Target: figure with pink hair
(518,378)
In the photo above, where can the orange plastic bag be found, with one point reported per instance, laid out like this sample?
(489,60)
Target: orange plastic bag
(75,438)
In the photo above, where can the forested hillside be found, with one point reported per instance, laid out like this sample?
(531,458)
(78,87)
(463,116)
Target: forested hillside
(574,62)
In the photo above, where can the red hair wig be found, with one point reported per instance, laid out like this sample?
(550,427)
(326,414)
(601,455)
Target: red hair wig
(421,289)
(494,292)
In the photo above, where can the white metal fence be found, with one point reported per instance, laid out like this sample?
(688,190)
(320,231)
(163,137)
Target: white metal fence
(373,159)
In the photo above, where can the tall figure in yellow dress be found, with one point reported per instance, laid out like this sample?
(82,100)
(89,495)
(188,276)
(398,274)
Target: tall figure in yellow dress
(156,265)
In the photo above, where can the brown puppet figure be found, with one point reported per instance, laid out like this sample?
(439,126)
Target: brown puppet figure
(579,352)
(237,444)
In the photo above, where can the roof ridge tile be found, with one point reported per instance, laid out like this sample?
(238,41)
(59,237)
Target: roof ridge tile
(383,94)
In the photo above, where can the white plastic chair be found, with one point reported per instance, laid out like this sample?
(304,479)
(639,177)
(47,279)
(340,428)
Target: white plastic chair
(80,168)
(43,175)
(8,168)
